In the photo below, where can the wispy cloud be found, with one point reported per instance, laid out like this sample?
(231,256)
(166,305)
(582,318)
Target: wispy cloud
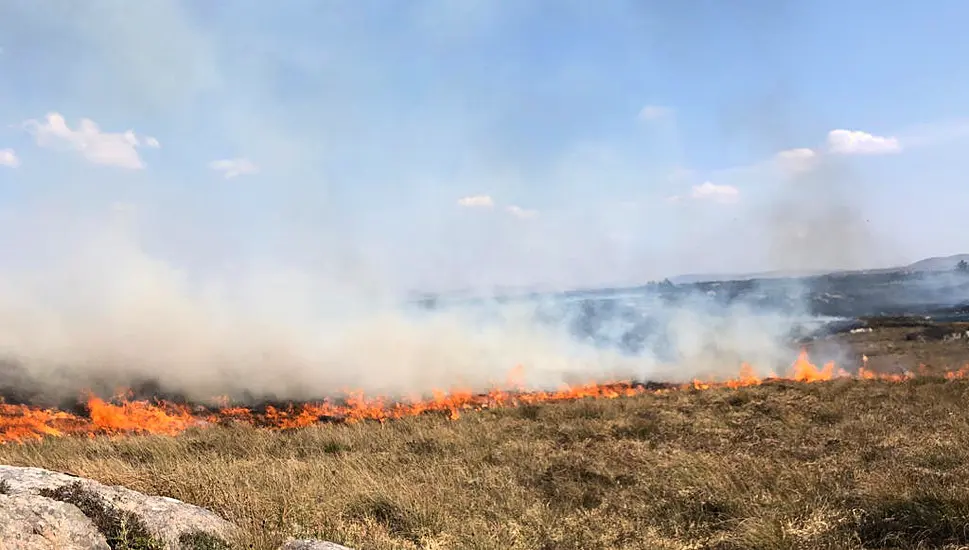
(521,213)
(477,201)
(709,191)
(793,161)
(97,147)
(9,158)
(798,160)
(712,191)
(487,202)
(654,112)
(855,142)
(231,168)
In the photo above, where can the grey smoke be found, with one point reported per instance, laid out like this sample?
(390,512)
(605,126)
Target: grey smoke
(94,301)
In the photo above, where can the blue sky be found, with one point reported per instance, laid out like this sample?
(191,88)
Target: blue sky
(443,144)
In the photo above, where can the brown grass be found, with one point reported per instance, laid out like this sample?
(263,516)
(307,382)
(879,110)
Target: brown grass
(843,464)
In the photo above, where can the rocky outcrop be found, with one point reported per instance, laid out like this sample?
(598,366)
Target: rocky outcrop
(45,510)
(33,522)
(50,509)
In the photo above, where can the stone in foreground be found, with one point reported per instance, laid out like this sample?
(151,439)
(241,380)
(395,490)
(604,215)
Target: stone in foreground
(33,522)
(166,519)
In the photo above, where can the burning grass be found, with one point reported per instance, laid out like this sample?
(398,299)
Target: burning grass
(818,459)
(126,416)
(845,463)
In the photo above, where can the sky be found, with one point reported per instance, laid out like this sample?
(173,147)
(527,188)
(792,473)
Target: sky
(447,145)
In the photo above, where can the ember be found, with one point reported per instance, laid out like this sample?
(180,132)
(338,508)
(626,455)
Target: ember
(19,423)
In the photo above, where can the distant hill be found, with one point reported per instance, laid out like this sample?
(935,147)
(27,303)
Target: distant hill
(942,263)
(432,299)
(691,278)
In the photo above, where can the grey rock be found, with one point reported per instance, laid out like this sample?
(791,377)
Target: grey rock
(32,522)
(311,544)
(166,518)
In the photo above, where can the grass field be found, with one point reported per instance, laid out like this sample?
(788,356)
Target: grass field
(840,464)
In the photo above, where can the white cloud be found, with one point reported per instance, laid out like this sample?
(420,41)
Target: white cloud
(477,201)
(485,201)
(711,191)
(796,160)
(654,112)
(97,147)
(854,142)
(522,213)
(231,168)
(152,142)
(9,158)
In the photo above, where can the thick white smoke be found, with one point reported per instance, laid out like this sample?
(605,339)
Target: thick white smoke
(318,305)
(96,311)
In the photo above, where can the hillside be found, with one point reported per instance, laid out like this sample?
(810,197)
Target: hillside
(942,263)
(945,263)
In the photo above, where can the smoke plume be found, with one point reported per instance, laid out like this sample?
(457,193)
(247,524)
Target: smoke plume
(208,285)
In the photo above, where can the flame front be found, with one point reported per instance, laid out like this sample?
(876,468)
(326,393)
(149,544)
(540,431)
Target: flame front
(20,423)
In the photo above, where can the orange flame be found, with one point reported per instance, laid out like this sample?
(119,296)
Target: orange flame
(19,423)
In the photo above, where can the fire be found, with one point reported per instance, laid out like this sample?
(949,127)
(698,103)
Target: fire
(805,371)
(123,415)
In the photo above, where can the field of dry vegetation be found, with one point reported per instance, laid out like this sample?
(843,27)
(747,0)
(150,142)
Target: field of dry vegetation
(842,464)
(837,464)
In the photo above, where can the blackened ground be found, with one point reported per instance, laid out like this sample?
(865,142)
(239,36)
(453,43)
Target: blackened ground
(898,344)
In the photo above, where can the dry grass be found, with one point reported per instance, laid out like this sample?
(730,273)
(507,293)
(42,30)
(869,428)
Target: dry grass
(843,464)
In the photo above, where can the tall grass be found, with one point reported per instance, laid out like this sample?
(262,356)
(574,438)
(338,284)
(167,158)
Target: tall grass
(842,464)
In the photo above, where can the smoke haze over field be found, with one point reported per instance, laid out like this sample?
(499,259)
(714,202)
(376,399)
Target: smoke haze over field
(229,200)
(94,311)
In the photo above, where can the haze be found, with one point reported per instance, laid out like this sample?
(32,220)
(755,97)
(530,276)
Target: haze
(204,193)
